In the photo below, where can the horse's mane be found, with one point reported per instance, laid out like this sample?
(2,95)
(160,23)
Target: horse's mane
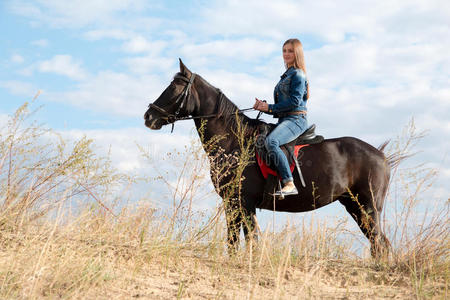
(227,109)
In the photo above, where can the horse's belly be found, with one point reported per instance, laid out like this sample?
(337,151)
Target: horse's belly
(293,204)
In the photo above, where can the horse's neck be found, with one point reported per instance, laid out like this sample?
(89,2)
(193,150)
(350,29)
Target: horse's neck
(219,128)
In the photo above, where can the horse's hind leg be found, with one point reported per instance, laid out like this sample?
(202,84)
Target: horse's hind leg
(367,216)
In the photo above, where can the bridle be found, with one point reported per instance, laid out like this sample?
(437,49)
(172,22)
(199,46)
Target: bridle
(182,98)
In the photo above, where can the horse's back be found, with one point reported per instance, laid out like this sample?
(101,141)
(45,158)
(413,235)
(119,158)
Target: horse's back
(361,159)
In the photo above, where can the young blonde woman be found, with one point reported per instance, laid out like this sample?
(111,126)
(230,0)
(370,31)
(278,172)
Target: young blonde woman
(290,95)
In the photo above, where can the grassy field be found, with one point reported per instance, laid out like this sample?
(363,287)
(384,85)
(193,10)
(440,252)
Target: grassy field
(66,232)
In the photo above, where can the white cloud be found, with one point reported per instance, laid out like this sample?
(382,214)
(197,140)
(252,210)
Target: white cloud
(116,93)
(63,65)
(77,13)
(121,144)
(19,88)
(99,34)
(3,120)
(40,43)
(149,64)
(446,173)
(16,58)
(242,49)
(330,20)
(243,93)
(139,44)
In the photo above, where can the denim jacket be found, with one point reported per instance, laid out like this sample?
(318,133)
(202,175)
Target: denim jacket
(289,93)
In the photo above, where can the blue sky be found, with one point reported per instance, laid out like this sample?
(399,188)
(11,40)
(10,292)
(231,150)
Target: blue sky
(372,65)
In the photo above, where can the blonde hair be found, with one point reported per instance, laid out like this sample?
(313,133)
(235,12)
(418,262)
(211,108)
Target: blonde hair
(299,60)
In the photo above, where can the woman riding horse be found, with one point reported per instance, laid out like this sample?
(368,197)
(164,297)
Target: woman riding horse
(290,95)
(343,169)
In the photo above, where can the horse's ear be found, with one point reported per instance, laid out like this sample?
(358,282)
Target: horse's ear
(184,70)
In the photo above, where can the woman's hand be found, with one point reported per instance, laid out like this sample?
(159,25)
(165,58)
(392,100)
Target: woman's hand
(261,106)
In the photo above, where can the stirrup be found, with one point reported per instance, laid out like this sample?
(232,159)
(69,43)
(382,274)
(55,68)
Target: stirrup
(282,194)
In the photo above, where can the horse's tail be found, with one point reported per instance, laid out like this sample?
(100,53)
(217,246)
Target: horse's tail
(392,160)
(395,158)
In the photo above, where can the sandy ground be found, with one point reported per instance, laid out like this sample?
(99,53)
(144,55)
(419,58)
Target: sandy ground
(197,278)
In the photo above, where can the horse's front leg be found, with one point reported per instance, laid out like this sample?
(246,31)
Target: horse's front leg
(233,215)
(250,226)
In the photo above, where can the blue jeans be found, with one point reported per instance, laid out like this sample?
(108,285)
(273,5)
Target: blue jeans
(287,130)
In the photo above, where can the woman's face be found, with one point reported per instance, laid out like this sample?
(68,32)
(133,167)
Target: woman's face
(288,54)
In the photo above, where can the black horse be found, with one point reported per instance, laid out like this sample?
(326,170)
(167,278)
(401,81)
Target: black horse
(344,169)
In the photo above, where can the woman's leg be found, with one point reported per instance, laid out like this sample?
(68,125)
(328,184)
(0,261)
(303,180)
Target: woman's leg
(286,131)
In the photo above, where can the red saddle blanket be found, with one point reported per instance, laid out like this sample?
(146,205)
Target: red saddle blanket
(266,170)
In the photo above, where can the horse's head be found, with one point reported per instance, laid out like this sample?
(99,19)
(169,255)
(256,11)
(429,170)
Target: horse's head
(175,101)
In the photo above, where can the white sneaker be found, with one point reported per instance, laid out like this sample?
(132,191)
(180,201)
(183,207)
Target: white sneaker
(288,189)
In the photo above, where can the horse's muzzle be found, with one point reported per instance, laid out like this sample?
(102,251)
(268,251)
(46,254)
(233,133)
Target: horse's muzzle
(151,122)
(154,124)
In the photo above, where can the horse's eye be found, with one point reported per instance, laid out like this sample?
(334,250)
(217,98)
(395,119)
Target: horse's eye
(173,87)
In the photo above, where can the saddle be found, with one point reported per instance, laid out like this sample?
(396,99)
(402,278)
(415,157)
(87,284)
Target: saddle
(291,150)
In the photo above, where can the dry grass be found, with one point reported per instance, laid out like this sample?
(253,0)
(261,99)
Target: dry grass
(65,234)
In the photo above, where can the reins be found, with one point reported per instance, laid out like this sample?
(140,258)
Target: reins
(239,111)
(182,97)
